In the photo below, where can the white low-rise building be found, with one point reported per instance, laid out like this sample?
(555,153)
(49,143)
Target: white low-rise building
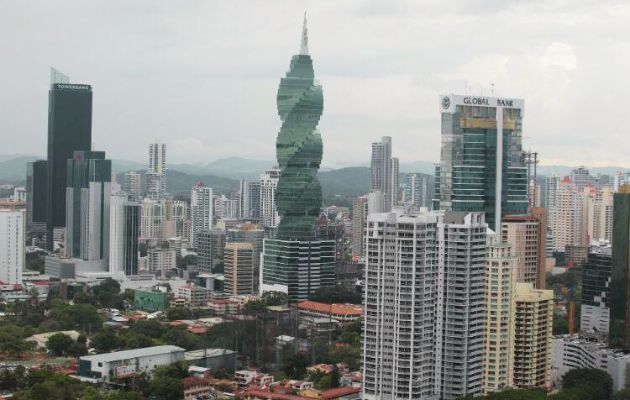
(582,351)
(110,367)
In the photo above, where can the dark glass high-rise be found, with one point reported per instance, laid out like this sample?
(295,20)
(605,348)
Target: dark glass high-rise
(69,130)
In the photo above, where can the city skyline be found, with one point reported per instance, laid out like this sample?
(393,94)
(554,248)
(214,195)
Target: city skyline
(189,98)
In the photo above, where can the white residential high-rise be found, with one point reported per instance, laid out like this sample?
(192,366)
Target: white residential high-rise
(551,187)
(461,313)
(268,211)
(384,171)
(568,216)
(12,239)
(599,213)
(124,230)
(416,190)
(425,321)
(359,216)
(201,211)
(399,320)
(376,202)
(156,174)
(152,219)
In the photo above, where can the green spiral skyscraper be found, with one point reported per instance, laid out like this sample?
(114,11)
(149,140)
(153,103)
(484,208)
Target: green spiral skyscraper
(299,148)
(296,262)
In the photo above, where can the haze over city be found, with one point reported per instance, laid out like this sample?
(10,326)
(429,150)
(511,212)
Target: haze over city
(202,76)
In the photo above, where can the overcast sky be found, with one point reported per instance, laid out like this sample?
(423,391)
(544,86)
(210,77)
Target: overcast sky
(202,76)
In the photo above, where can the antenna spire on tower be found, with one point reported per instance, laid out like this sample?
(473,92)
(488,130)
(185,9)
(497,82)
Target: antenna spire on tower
(304,43)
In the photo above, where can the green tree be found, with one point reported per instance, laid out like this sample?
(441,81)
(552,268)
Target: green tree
(84,316)
(77,349)
(337,294)
(15,346)
(175,313)
(177,370)
(59,344)
(105,341)
(295,366)
(595,384)
(150,328)
(275,298)
(167,389)
(182,338)
(622,395)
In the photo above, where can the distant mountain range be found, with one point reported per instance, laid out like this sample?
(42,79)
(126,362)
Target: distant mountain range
(223,174)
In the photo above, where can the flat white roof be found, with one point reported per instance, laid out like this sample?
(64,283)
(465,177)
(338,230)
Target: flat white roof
(135,353)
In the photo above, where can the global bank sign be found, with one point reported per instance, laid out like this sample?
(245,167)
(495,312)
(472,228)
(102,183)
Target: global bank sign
(486,101)
(448,103)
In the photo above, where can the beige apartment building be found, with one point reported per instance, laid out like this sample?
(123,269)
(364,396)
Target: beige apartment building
(238,268)
(500,284)
(533,320)
(527,235)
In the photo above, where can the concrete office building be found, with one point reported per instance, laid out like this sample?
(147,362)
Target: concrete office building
(119,365)
(582,351)
(268,209)
(238,268)
(481,167)
(249,198)
(133,185)
(156,173)
(36,195)
(88,193)
(581,177)
(161,260)
(595,304)
(359,218)
(297,268)
(201,211)
(12,242)
(500,296)
(124,231)
(532,336)
(425,297)
(527,235)
(253,234)
(69,130)
(210,246)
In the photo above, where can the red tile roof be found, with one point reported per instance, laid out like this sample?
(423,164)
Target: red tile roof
(264,394)
(338,392)
(335,309)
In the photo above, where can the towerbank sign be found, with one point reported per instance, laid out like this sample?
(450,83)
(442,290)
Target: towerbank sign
(448,102)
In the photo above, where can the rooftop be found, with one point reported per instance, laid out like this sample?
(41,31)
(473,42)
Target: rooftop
(335,309)
(127,354)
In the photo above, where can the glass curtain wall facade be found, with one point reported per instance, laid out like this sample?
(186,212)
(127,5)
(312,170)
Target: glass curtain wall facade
(69,130)
(468,178)
(619,333)
(296,261)
(88,192)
